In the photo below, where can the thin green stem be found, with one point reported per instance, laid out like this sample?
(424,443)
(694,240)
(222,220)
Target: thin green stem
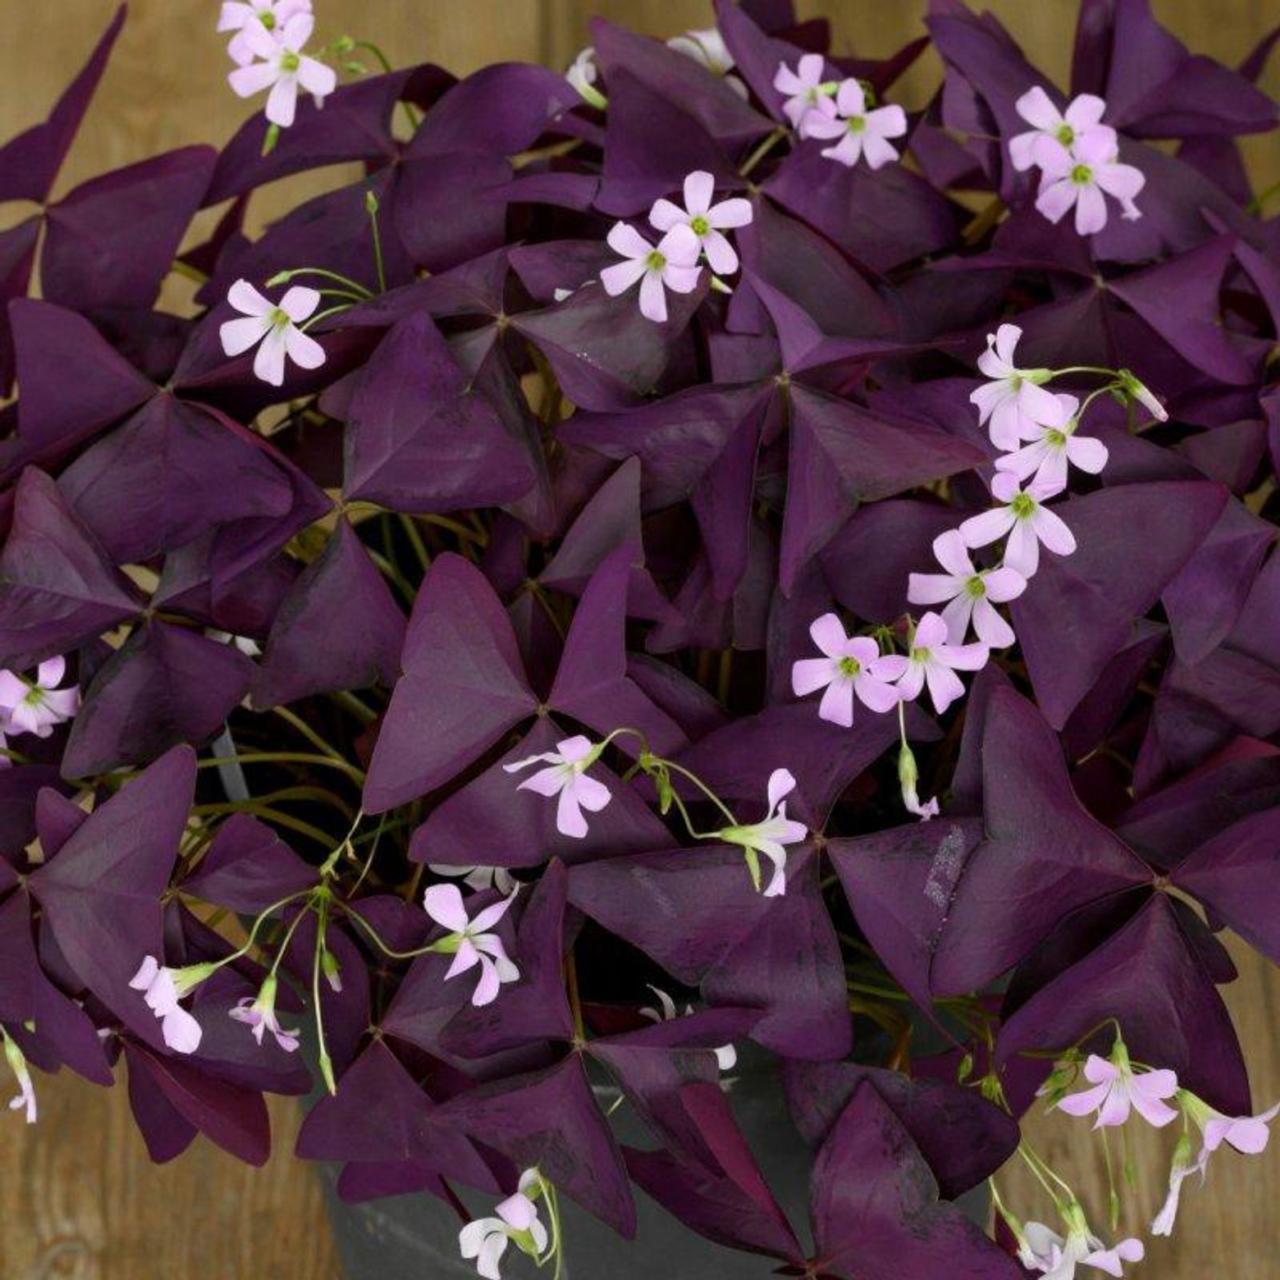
(286,757)
(326,1065)
(762,150)
(312,736)
(371,204)
(349,702)
(283,277)
(378,941)
(415,541)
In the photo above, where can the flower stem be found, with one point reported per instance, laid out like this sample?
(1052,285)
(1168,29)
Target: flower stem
(762,150)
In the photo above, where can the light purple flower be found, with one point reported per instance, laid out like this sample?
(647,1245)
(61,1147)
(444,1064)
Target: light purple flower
(1081,119)
(260,1015)
(707,48)
(566,777)
(1013,400)
(862,133)
(707,221)
(275,327)
(162,988)
(1053,446)
(805,88)
(769,836)
(850,665)
(934,661)
(1180,1169)
(971,593)
(671,264)
(726,1054)
(28,706)
(1249,1135)
(1118,1089)
(1078,178)
(270,15)
(1027,522)
(1044,1250)
(470,942)
(486,1239)
(284,68)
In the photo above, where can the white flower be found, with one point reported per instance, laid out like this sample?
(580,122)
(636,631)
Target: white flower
(36,706)
(567,778)
(770,836)
(707,221)
(470,942)
(275,326)
(1027,522)
(707,48)
(284,68)
(162,988)
(478,878)
(270,15)
(862,133)
(726,1054)
(583,74)
(1053,446)
(850,665)
(1081,119)
(971,594)
(934,661)
(486,1239)
(1013,400)
(672,262)
(804,87)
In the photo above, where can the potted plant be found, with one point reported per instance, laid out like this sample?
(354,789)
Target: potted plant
(705,641)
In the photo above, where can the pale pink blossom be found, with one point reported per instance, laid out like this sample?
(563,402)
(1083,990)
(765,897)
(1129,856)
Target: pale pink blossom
(670,264)
(862,133)
(1180,1169)
(707,48)
(804,87)
(270,15)
(1025,519)
(470,941)
(162,988)
(934,661)
(1137,390)
(566,778)
(274,326)
(971,594)
(769,836)
(260,1016)
(36,706)
(478,877)
(850,665)
(284,69)
(485,1239)
(1078,178)
(1053,446)
(1081,119)
(26,1096)
(1118,1089)
(707,221)
(1057,1257)
(1246,1134)
(1013,401)
(726,1054)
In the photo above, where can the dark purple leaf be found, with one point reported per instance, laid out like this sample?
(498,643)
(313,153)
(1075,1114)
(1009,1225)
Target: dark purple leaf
(247,868)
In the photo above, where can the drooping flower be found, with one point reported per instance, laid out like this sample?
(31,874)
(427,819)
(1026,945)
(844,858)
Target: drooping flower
(36,706)
(726,1054)
(260,1015)
(162,988)
(1079,177)
(670,264)
(770,836)
(934,661)
(1118,1090)
(275,327)
(470,942)
(1248,1135)
(1137,390)
(1054,446)
(1081,119)
(486,1239)
(909,781)
(1013,401)
(1025,519)
(862,133)
(1043,1249)
(707,221)
(283,69)
(583,74)
(26,1097)
(850,665)
(971,593)
(804,87)
(271,15)
(1180,1169)
(566,777)
(478,878)
(707,48)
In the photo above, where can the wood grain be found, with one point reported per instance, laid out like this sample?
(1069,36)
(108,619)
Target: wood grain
(78,1197)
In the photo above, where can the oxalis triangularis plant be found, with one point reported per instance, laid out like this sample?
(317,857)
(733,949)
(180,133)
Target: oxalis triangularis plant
(507,628)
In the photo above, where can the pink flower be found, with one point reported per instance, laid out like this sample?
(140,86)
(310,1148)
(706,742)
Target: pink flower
(850,665)
(470,942)
(162,988)
(672,262)
(861,132)
(1054,445)
(271,15)
(934,661)
(1013,400)
(36,706)
(486,1239)
(567,778)
(275,327)
(1137,390)
(1180,1169)
(1080,120)
(1112,1260)
(971,594)
(1117,1089)
(1247,1134)
(708,49)
(769,836)
(707,221)
(284,67)
(1078,178)
(804,87)
(260,1015)
(1025,520)
(1044,1250)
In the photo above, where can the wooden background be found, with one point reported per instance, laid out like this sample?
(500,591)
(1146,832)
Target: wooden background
(78,1198)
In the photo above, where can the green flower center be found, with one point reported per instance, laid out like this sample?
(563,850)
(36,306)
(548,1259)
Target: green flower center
(1082,175)
(976,587)
(849,667)
(699,225)
(279,318)
(856,124)
(289,61)
(655,261)
(1066,135)
(1055,437)
(921,655)
(1023,506)
(34,696)
(268,19)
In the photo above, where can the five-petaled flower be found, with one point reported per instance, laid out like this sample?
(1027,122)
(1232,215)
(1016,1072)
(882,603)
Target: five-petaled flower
(770,836)
(486,1239)
(670,264)
(284,68)
(275,327)
(1013,401)
(36,706)
(804,87)
(162,988)
(566,777)
(862,133)
(1053,445)
(1081,119)
(1077,177)
(270,15)
(1025,519)
(850,665)
(707,221)
(726,1054)
(469,940)
(934,660)
(260,1015)
(971,593)
(1118,1089)
(706,47)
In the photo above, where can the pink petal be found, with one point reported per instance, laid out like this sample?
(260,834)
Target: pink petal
(1091,210)
(546,782)
(268,363)
(466,957)
(836,706)
(893,666)
(247,81)
(990,627)
(1053,532)
(1036,108)
(736,212)
(1022,150)
(875,694)
(952,554)
(146,974)
(316,78)
(781,784)
(1006,344)
(988,527)
(828,633)
(303,349)
(571,750)
(1086,1102)
(443,903)
(590,793)
(299,302)
(488,987)
(1003,584)
(957,615)
(1120,180)
(1053,157)
(297,31)
(944,685)
(808,675)
(488,917)
(699,188)
(569,819)
(877,151)
(851,98)
(50,672)
(682,279)
(622,275)
(664,215)
(932,588)
(1055,199)
(623,238)
(1115,1107)
(653,299)
(282,102)
(721,256)
(181,1031)
(1022,550)
(930,631)
(911,682)
(1084,111)
(680,246)
(1087,453)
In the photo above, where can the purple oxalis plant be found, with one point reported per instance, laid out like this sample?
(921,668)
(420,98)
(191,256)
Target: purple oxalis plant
(684,569)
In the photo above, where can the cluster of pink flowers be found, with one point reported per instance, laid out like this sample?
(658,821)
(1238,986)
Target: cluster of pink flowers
(35,705)
(829,109)
(1079,160)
